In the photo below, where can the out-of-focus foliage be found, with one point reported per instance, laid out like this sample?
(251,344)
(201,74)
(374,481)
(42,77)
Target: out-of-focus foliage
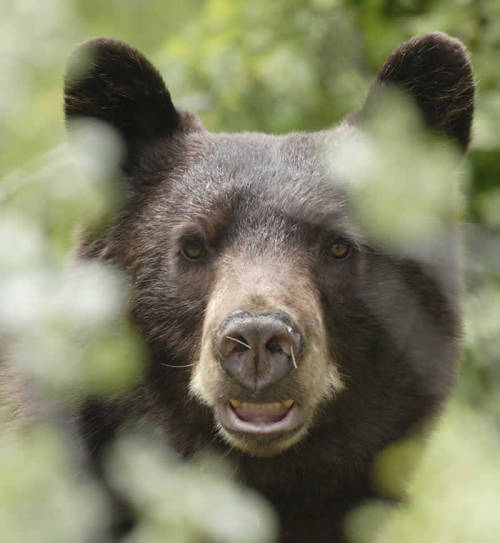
(265,65)
(43,497)
(454,493)
(399,212)
(185,502)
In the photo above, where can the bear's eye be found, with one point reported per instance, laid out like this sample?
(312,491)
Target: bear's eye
(193,249)
(339,250)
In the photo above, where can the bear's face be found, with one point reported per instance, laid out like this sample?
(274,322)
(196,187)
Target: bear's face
(248,257)
(253,286)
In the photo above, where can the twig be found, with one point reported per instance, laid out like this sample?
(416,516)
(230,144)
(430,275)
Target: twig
(173,366)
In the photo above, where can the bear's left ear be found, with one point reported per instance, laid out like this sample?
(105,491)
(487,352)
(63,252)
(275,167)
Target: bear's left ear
(435,72)
(108,80)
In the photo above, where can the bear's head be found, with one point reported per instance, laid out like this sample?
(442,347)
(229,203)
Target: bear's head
(271,318)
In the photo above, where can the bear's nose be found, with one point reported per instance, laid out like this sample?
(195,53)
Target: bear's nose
(258,348)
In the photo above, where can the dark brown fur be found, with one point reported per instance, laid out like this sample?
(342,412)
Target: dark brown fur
(389,325)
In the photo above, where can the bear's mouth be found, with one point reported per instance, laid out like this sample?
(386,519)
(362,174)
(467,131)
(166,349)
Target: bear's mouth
(260,420)
(261,413)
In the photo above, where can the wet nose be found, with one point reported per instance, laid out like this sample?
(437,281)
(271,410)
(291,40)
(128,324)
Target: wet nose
(258,348)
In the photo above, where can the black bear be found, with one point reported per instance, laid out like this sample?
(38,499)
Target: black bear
(279,334)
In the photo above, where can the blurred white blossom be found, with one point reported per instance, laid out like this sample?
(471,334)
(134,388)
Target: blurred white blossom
(404,185)
(184,502)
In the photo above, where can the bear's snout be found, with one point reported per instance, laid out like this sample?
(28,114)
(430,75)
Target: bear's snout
(258,349)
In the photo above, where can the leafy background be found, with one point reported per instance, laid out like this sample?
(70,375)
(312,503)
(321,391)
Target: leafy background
(241,65)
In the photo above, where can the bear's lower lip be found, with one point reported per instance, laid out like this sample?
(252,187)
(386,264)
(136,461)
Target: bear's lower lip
(276,419)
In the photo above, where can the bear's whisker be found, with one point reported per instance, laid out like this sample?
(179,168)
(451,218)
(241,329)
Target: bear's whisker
(239,341)
(174,366)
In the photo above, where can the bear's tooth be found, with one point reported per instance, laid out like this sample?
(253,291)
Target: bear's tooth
(269,406)
(259,406)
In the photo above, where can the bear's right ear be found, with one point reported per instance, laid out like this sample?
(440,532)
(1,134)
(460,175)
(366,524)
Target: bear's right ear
(434,71)
(110,81)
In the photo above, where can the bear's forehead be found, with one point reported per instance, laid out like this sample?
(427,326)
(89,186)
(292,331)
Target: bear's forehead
(254,160)
(242,180)
(263,158)
(291,169)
